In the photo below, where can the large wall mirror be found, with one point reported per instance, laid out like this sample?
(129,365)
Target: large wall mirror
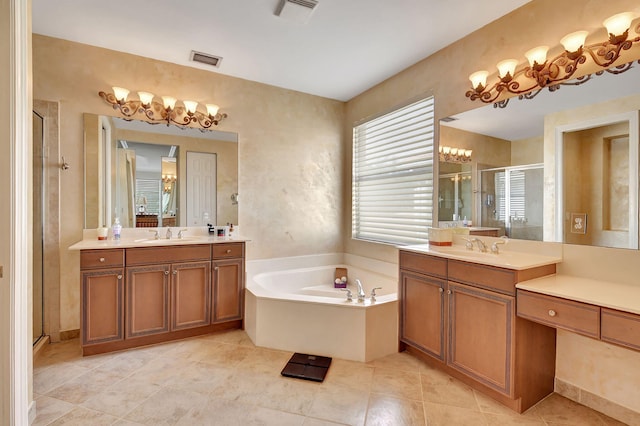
(157,175)
(562,166)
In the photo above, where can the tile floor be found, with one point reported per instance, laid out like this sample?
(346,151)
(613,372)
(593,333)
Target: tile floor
(223,379)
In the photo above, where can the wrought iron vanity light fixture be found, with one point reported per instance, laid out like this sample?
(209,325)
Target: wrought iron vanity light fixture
(169,111)
(540,72)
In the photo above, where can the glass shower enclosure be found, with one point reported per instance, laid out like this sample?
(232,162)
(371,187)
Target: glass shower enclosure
(511,199)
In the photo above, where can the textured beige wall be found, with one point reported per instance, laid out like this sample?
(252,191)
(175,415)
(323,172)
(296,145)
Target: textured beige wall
(445,74)
(527,151)
(290,149)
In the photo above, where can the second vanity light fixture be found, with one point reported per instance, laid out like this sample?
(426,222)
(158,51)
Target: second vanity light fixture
(169,111)
(454,155)
(540,72)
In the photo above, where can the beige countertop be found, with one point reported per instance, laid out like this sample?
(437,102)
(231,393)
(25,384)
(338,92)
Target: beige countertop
(623,297)
(140,237)
(505,259)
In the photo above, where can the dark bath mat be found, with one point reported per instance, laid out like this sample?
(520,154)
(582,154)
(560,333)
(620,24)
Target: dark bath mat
(307,367)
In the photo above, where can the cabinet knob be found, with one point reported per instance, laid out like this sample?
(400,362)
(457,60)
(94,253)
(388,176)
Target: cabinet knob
(175,272)
(215,269)
(119,277)
(552,313)
(448,291)
(228,251)
(102,259)
(166,272)
(441,289)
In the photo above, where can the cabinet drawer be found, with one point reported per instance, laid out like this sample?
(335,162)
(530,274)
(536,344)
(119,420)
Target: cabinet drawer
(621,328)
(578,317)
(92,259)
(432,265)
(154,255)
(489,277)
(222,251)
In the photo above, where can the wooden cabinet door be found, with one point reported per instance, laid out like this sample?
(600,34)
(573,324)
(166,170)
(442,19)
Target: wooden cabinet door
(147,296)
(481,335)
(228,288)
(102,306)
(190,295)
(422,313)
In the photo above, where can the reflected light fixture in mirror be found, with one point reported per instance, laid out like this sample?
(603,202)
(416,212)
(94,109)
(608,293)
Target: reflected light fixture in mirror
(541,72)
(454,155)
(165,111)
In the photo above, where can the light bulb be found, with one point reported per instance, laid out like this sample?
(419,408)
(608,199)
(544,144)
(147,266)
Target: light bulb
(537,55)
(467,153)
(454,151)
(446,150)
(508,66)
(479,79)
(618,24)
(169,102)
(212,109)
(120,93)
(574,41)
(190,106)
(145,97)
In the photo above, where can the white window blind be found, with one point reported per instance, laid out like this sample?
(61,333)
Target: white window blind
(392,194)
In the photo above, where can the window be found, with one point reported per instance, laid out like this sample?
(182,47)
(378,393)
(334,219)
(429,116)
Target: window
(392,194)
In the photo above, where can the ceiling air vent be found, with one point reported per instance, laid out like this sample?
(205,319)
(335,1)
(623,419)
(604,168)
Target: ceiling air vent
(448,119)
(296,10)
(205,58)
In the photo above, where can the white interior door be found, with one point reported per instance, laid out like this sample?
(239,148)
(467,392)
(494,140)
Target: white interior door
(201,189)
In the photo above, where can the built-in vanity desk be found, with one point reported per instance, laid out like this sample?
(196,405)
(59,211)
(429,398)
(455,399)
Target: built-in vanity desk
(136,292)
(600,310)
(458,314)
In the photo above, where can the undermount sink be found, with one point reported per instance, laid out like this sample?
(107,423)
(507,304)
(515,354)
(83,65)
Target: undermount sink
(160,241)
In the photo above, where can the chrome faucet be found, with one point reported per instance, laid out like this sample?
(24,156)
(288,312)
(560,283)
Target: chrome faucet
(155,233)
(168,233)
(361,294)
(349,294)
(181,233)
(494,246)
(373,293)
(481,245)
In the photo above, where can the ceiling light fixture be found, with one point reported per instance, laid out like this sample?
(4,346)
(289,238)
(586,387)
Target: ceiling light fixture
(168,111)
(529,80)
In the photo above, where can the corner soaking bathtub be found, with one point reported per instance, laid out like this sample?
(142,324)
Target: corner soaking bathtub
(291,305)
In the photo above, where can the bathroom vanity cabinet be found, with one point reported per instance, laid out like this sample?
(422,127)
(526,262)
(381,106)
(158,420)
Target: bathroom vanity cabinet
(141,295)
(461,317)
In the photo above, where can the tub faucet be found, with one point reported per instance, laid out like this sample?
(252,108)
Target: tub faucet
(373,293)
(361,294)
(494,246)
(349,294)
(168,233)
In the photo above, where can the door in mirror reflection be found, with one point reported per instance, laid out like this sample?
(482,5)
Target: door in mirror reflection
(599,185)
(512,201)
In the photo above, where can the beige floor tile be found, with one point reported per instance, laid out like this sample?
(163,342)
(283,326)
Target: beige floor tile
(49,409)
(166,407)
(124,364)
(340,404)
(199,377)
(441,388)
(514,419)
(265,361)
(223,354)
(122,397)
(161,370)
(402,361)
(83,387)
(56,375)
(448,415)
(227,413)
(354,375)
(123,422)
(388,411)
(81,417)
(310,421)
(559,410)
(396,383)
(234,337)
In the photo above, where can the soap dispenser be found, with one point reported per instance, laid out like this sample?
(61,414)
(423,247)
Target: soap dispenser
(116,229)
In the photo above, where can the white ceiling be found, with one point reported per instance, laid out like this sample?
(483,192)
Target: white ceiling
(347,46)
